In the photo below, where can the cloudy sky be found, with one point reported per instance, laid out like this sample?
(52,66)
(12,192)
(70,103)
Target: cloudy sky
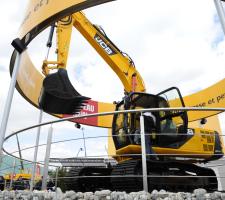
(173,43)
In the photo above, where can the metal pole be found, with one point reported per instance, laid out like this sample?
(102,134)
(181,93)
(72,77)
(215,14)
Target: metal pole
(143,152)
(47,156)
(56,177)
(8,102)
(5,185)
(220,11)
(56,180)
(20,153)
(85,152)
(11,178)
(36,151)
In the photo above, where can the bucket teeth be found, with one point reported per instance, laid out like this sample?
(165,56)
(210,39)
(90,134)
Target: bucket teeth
(58,96)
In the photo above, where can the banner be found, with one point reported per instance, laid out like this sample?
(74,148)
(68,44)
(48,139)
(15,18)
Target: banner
(211,97)
(42,13)
(29,84)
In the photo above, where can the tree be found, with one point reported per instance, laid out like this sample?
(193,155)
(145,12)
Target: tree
(60,179)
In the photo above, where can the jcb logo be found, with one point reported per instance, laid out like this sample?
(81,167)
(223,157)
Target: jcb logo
(107,48)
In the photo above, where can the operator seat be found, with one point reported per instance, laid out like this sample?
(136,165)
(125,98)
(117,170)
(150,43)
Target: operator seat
(172,135)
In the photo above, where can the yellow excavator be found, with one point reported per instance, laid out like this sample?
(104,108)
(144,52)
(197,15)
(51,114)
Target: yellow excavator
(176,147)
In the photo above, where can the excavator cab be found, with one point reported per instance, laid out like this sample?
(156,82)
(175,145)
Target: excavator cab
(166,127)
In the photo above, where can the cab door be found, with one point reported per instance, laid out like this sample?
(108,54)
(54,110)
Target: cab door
(173,124)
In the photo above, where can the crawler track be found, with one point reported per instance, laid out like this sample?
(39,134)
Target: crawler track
(127,176)
(89,179)
(72,183)
(171,176)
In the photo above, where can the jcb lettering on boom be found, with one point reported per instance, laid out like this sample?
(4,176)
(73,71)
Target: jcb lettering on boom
(106,47)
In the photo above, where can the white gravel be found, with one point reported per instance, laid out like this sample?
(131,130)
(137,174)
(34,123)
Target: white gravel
(198,194)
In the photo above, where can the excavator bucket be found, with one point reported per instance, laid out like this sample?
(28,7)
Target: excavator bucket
(58,95)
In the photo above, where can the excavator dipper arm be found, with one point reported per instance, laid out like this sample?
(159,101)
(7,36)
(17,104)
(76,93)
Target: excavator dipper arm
(120,62)
(58,95)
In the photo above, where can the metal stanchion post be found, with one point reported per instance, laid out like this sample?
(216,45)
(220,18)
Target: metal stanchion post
(13,172)
(36,152)
(56,180)
(5,185)
(85,152)
(56,177)
(20,153)
(8,102)
(47,156)
(143,152)
(221,13)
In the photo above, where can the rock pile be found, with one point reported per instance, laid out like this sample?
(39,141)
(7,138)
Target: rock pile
(198,194)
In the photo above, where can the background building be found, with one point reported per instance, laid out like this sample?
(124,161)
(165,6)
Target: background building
(10,165)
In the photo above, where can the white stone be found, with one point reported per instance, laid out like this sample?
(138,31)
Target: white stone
(207,196)
(188,196)
(113,196)
(68,194)
(217,195)
(58,194)
(133,195)
(182,195)
(142,195)
(122,196)
(47,196)
(163,194)
(88,196)
(178,196)
(118,195)
(102,195)
(200,192)
(223,196)
(154,194)
(80,195)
